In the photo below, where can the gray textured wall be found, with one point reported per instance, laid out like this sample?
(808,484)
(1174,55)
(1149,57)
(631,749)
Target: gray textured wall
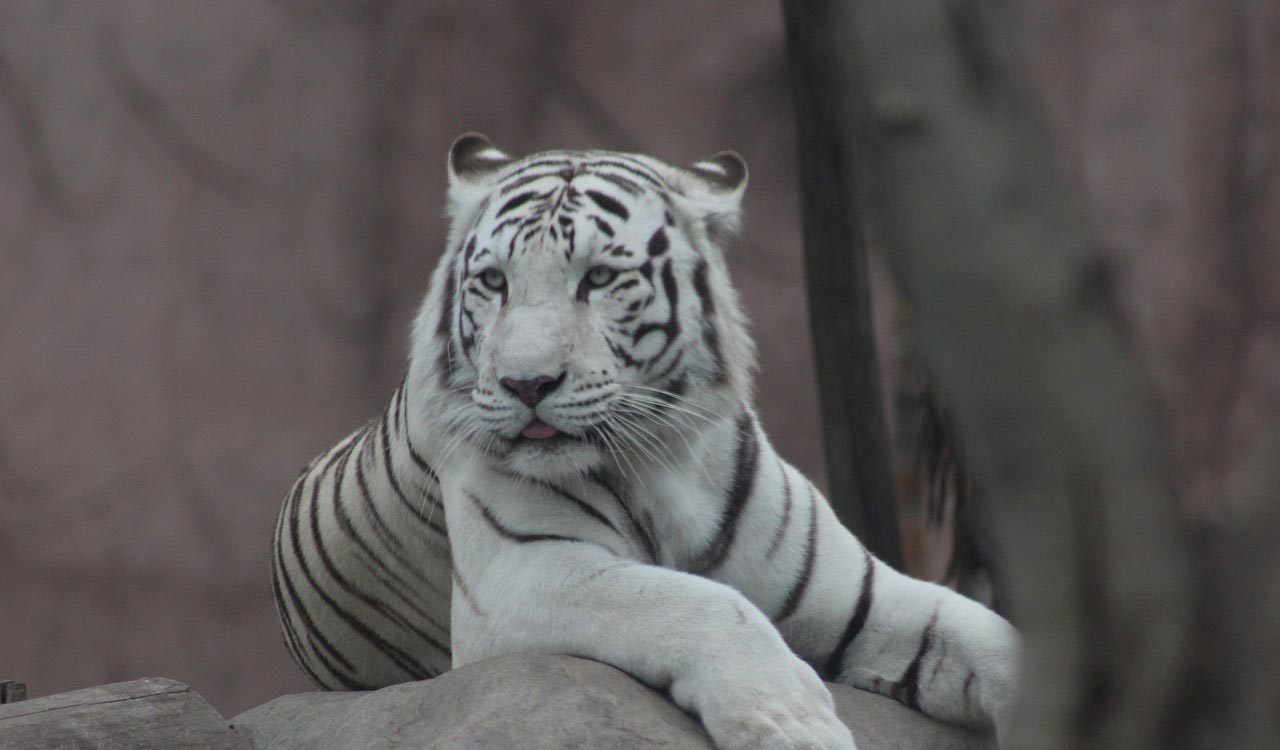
(216,220)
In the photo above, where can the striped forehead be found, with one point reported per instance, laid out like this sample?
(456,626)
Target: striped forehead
(628,173)
(537,203)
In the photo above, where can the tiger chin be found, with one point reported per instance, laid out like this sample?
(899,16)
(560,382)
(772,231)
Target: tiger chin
(573,464)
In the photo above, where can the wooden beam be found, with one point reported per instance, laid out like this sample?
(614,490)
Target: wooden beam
(150,714)
(12,691)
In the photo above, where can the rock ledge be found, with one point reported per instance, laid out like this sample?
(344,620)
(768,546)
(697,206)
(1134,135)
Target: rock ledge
(535,702)
(525,702)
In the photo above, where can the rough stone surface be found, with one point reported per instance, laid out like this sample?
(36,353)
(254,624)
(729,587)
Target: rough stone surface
(536,702)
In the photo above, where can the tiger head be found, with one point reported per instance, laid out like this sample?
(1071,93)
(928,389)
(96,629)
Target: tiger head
(582,313)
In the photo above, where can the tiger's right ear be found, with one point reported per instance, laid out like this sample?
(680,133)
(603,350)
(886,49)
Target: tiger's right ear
(473,161)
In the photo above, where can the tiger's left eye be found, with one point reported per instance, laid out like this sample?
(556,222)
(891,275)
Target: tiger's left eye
(493,279)
(600,276)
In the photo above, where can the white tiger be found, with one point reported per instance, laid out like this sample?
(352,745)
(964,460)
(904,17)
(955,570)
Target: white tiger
(578,406)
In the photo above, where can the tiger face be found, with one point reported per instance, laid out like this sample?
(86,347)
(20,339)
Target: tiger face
(585,301)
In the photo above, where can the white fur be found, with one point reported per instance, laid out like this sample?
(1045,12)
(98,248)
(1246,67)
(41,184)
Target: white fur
(549,556)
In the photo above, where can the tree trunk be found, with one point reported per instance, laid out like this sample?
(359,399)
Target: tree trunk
(1013,301)
(836,276)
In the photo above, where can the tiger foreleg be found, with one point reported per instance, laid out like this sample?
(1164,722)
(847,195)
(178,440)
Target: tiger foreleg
(527,582)
(861,623)
(917,642)
(937,651)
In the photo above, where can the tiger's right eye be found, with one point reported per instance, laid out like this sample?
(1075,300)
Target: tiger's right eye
(493,279)
(600,276)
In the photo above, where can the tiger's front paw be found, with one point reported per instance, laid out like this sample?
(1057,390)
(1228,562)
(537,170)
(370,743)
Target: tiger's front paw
(787,708)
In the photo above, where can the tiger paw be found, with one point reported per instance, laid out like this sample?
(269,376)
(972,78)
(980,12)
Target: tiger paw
(787,708)
(811,728)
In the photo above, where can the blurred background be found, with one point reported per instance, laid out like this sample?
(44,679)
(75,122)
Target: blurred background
(217,219)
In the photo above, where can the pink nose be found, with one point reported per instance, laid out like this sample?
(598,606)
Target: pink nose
(533,390)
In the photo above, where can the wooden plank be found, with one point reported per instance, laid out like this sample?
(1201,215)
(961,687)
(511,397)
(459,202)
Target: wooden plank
(148,714)
(12,691)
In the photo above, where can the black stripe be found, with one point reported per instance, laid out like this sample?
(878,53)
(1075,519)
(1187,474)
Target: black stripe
(384,531)
(556,158)
(338,665)
(421,462)
(404,407)
(465,316)
(834,666)
(634,168)
(394,408)
(661,378)
(907,689)
(450,289)
(622,354)
(529,174)
(418,460)
(466,593)
(710,335)
(642,532)
(558,161)
(397,655)
(467,251)
(371,509)
(625,184)
(289,630)
(344,521)
(517,536)
(937,663)
(744,476)
(579,502)
(671,328)
(406,596)
(517,201)
(395,486)
(609,204)
(346,675)
(327,663)
(287,624)
(445,364)
(603,226)
(786,512)
(658,243)
(378,567)
(802,581)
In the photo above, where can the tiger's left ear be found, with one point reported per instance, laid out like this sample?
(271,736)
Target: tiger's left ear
(726,172)
(473,162)
(716,189)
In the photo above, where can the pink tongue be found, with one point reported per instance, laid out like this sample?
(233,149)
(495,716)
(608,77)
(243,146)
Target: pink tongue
(538,430)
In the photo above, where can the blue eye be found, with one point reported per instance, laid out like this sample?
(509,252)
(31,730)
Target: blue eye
(493,279)
(600,276)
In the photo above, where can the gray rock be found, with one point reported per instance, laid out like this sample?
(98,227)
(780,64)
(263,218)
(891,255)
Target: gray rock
(534,702)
